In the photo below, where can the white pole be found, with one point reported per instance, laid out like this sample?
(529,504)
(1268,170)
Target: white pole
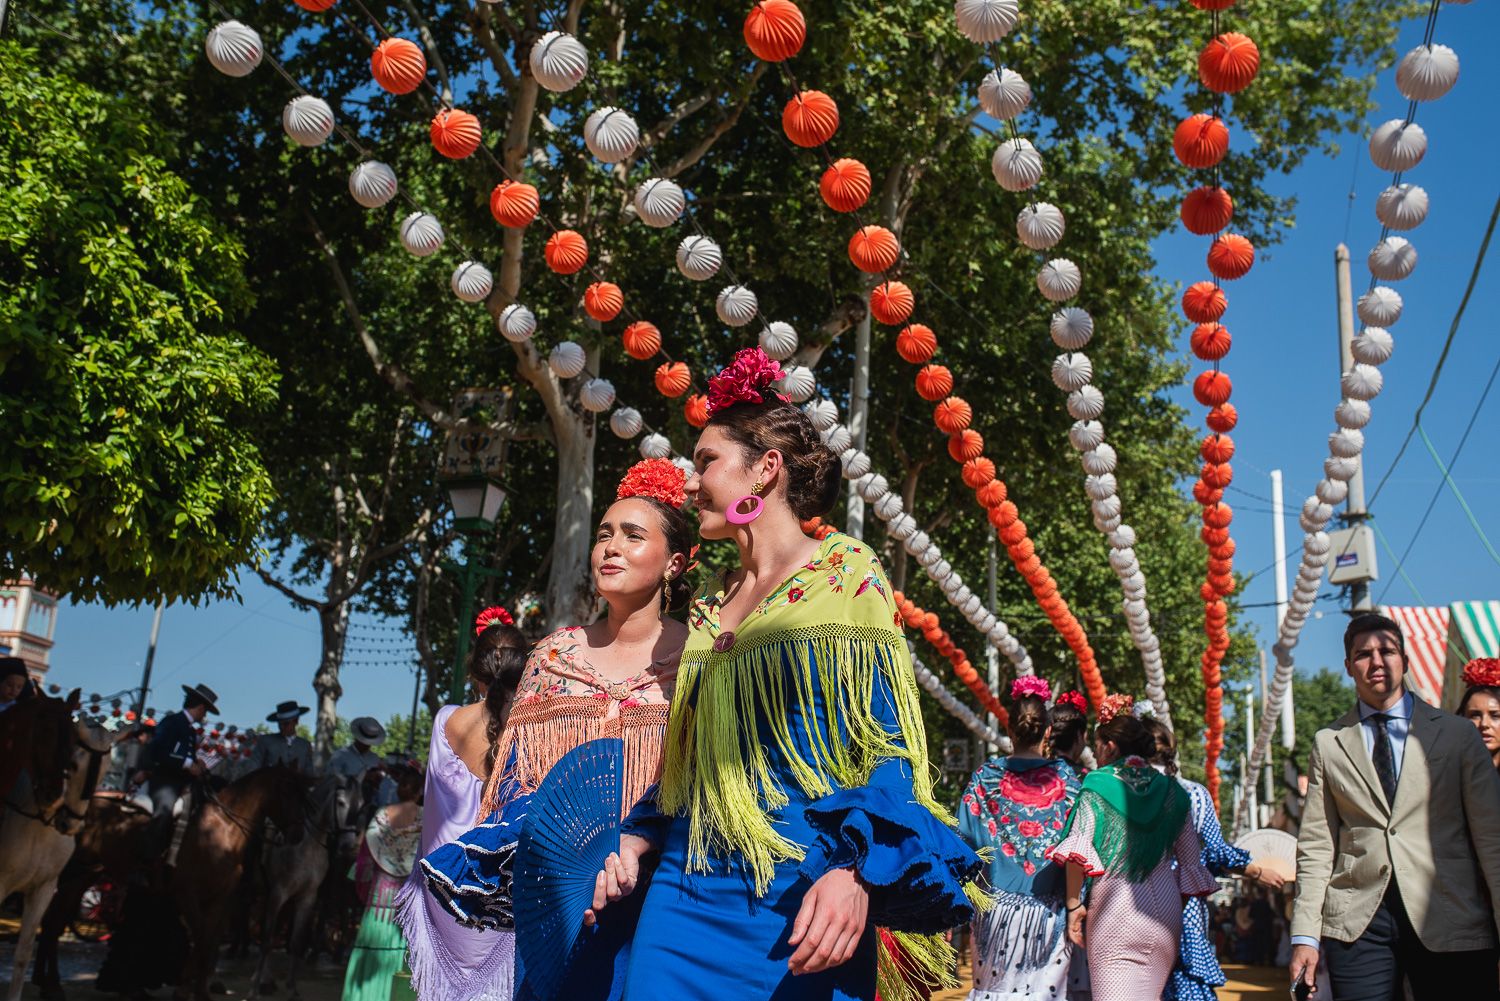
(1278,539)
(859,420)
(1250,744)
(992,654)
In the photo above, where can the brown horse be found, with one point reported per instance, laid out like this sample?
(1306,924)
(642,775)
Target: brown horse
(211,862)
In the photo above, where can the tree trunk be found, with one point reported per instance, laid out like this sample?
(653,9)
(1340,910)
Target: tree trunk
(333,623)
(859,402)
(908,502)
(569,585)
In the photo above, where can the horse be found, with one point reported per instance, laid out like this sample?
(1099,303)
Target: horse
(37,828)
(211,861)
(108,847)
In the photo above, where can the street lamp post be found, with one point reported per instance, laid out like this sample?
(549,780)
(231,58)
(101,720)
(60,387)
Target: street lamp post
(476,504)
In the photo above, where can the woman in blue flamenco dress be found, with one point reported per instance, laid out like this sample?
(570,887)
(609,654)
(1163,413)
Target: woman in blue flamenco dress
(795,812)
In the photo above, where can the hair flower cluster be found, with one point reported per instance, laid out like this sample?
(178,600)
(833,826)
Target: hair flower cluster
(491,616)
(1074,699)
(1114,705)
(1482,672)
(1030,686)
(658,479)
(744,380)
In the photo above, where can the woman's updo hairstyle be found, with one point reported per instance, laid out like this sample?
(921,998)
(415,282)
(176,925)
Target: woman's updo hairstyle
(1070,722)
(1029,718)
(660,484)
(1164,752)
(1128,734)
(497,661)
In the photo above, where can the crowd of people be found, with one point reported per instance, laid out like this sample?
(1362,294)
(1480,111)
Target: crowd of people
(780,834)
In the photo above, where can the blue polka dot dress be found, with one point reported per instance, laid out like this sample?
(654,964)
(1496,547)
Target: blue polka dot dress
(1197,972)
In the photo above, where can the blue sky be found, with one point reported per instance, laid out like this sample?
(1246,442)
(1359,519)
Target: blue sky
(1285,370)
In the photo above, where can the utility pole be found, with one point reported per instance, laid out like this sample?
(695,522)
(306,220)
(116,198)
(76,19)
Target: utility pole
(1265,706)
(140,702)
(859,421)
(1354,508)
(1278,540)
(1249,749)
(991,654)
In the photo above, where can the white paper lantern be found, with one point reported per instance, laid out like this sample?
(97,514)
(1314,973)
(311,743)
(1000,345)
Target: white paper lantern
(837,438)
(1398,145)
(1100,460)
(1427,72)
(1331,491)
(1004,93)
(929,557)
(516,323)
(611,134)
(472,281)
(872,486)
(625,422)
(559,61)
(779,340)
(566,360)
(1346,442)
(1122,537)
(1072,328)
(1086,403)
(916,542)
(1315,515)
(1362,382)
(1380,307)
(970,605)
(597,395)
(1373,346)
(372,184)
(233,48)
(1352,414)
(798,383)
(308,120)
(659,202)
(1100,487)
(1059,279)
(1317,542)
(1085,435)
(1123,561)
(901,527)
(1107,506)
(1392,259)
(823,413)
(655,446)
(1107,522)
(1401,206)
(1072,371)
(699,258)
(685,464)
(1017,165)
(1338,468)
(736,305)
(986,20)
(857,464)
(887,506)
(421,234)
(1040,226)
(1318,560)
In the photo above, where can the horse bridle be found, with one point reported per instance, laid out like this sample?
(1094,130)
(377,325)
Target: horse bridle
(280,838)
(54,817)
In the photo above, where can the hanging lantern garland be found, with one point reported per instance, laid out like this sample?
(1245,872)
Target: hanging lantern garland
(932,630)
(934,686)
(1424,74)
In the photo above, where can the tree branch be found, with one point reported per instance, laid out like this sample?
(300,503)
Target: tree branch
(485,32)
(430,44)
(849,311)
(728,122)
(301,601)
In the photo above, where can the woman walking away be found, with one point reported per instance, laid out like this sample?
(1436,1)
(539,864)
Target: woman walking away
(450,961)
(1015,806)
(1197,971)
(1127,828)
(385,860)
(1070,726)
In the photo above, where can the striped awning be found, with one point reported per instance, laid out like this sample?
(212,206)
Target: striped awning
(1426,633)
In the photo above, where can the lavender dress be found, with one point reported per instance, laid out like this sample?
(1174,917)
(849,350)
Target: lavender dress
(450,962)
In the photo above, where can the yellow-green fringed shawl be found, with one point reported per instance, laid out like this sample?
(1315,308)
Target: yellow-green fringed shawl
(836,613)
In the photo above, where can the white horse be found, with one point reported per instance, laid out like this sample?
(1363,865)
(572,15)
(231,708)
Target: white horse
(37,831)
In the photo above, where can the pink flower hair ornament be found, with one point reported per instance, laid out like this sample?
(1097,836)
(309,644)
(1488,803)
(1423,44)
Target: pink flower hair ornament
(1030,686)
(1114,705)
(490,616)
(744,380)
(1074,699)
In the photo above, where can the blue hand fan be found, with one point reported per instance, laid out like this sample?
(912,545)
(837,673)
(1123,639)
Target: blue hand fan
(571,828)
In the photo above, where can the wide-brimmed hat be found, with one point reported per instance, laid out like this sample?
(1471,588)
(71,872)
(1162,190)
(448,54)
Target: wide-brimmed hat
(287,710)
(367,730)
(206,694)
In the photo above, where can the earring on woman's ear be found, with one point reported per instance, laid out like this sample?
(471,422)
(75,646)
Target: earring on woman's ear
(666,591)
(747,508)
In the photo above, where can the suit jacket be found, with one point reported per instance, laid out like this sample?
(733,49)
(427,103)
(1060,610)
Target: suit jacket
(173,746)
(1439,840)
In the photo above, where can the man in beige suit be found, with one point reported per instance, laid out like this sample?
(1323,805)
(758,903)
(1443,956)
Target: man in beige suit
(1398,860)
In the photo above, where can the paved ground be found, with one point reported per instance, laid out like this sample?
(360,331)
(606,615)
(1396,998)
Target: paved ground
(1246,983)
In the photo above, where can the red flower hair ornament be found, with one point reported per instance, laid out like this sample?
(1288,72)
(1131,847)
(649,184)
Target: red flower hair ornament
(490,616)
(1074,699)
(1482,672)
(1030,686)
(1114,705)
(744,380)
(654,478)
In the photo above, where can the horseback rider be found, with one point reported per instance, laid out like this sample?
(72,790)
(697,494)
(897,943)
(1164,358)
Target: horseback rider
(284,747)
(172,761)
(352,761)
(15,682)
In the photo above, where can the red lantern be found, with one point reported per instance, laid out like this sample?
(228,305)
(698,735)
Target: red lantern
(514,204)
(916,343)
(934,382)
(874,249)
(1201,141)
(1217,449)
(316,6)
(1007,514)
(810,119)
(1218,516)
(1217,475)
(845,185)
(952,415)
(891,303)
(455,133)
(1207,210)
(398,65)
(1204,302)
(1231,256)
(967,444)
(673,379)
(1212,388)
(1023,550)
(696,410)
(603,302)
(1029,566)
(641,340)
(1223,418)
(978,472)
(1210,341)
(1014,532)
(1205,494)
(775,30)
(566,252)
(991,494)
(1224,551)
(1228,63)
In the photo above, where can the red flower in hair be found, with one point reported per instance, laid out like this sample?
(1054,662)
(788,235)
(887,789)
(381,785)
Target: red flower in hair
(490,616)
(743,380)
(654,478)
(1114,705)
(1482,672)
(1074,699)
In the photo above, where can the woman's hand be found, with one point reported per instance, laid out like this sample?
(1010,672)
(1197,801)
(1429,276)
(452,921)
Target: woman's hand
(829,924)
(1269,878)
(618,877)
(1076,917)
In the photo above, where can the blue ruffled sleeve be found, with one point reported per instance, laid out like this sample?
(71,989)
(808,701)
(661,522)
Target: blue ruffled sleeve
(1219,857)
(914,864)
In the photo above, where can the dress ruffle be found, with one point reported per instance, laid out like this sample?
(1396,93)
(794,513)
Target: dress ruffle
(471,875)
(914,865)
(1078,846)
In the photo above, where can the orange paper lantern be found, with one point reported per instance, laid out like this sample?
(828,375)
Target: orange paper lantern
(1217,448)
(1007,513)
(978,472)
(891,302)
(1210,341)
(514,204)
(1204,302)
(1029,566)
(1212,388)
(1218,516)
(1013,533)
(673,379)
(952,415)
(603,301)
(641,340)
(1201,141)
(934,382)
(1023,550)
(1228,63)
(1218,475)
(1225,551)
(810,119)
(316,6)
(1207,210)
(696,410)
(845,185)
(967,444)
(455,133)
(398,65)
(1205,494)
(775,30)
(991,494)
(916,343)
(566,252)
(1223,418)
(874,249)
(1231,256)
(1220,566)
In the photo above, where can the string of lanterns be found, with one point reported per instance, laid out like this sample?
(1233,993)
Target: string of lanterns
(1426,73)
(934,686)
(1226,65)
(932,630)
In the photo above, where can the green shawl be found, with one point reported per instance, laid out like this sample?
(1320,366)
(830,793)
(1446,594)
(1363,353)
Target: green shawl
(1137,812)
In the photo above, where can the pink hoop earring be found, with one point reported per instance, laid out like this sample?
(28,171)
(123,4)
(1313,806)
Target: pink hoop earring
(737,517)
